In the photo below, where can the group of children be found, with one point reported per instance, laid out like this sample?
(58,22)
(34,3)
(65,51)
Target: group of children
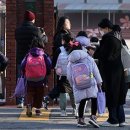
(69,60)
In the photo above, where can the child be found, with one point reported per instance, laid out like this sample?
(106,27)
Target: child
(35,68)
(63,85)
(76,56)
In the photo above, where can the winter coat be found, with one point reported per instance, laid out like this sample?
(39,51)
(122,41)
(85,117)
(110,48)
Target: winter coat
(36,52)
(111,69)
(80,55)
(24,35)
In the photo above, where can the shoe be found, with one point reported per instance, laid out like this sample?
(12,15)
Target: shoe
(74,112)
(81,122)
(93,121)
(20,105)
(122,124)
(29,110)
(45,102)
(107,124)
(38,112)
(63,113)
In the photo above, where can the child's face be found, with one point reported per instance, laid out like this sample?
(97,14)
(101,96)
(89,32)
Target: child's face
(91,51)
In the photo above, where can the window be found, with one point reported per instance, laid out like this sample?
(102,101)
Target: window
(30,5)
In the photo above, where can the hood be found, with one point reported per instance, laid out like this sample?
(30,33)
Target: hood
(36,51)
(84,41)
(77,55)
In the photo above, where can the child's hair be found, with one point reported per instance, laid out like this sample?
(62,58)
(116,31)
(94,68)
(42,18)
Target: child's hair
(82,33)
(75,46)
(94,39)
(37,42)
(67,38)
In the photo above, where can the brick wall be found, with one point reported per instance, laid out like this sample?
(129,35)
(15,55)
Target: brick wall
(48,9)
(10,48)
(44,18)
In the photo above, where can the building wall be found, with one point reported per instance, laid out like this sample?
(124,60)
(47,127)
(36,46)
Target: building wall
(126,1)
(90,24)
(14,16)
(90,1)
(102,1)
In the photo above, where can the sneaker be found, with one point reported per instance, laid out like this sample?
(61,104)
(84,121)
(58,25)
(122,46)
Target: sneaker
(63,113)
(107,124)
(81,123)
(38,112)
(93,121)
(45,102)
(29,110)
(75,113)
(20,105)
(122,124)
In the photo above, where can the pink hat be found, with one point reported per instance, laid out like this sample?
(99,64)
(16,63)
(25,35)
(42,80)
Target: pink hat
(29,16)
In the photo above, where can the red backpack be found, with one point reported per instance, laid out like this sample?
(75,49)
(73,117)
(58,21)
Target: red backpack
(35,69)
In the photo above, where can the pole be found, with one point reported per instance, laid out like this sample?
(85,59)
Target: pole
(82,20)
(109,15)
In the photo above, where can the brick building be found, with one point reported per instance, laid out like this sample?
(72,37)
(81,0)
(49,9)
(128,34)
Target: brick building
(44,10)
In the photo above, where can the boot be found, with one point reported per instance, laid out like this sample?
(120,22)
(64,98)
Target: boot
(29,110)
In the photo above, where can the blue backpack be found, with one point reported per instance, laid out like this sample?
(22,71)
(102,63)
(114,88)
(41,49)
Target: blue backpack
(62,62)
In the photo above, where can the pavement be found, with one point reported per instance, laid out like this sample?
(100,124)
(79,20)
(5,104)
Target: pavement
(15,118)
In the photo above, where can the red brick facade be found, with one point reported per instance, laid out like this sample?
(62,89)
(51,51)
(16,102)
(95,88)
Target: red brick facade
(44,11)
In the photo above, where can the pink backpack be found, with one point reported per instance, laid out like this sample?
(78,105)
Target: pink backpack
(82,75)
(35,69)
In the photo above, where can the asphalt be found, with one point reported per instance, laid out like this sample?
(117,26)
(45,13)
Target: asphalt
(15,119)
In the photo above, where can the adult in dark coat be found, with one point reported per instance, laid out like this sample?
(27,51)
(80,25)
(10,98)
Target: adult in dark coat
(63,27)
(24,36)
(112,72)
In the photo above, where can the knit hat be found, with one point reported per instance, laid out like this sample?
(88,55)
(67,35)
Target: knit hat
(84,41)
(29,16)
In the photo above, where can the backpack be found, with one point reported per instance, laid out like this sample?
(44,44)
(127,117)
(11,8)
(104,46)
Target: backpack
(125,56)
(3,61)
(35,69)
(62,62)
(82,75)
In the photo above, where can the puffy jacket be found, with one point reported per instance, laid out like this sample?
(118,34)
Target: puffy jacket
(80,55)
